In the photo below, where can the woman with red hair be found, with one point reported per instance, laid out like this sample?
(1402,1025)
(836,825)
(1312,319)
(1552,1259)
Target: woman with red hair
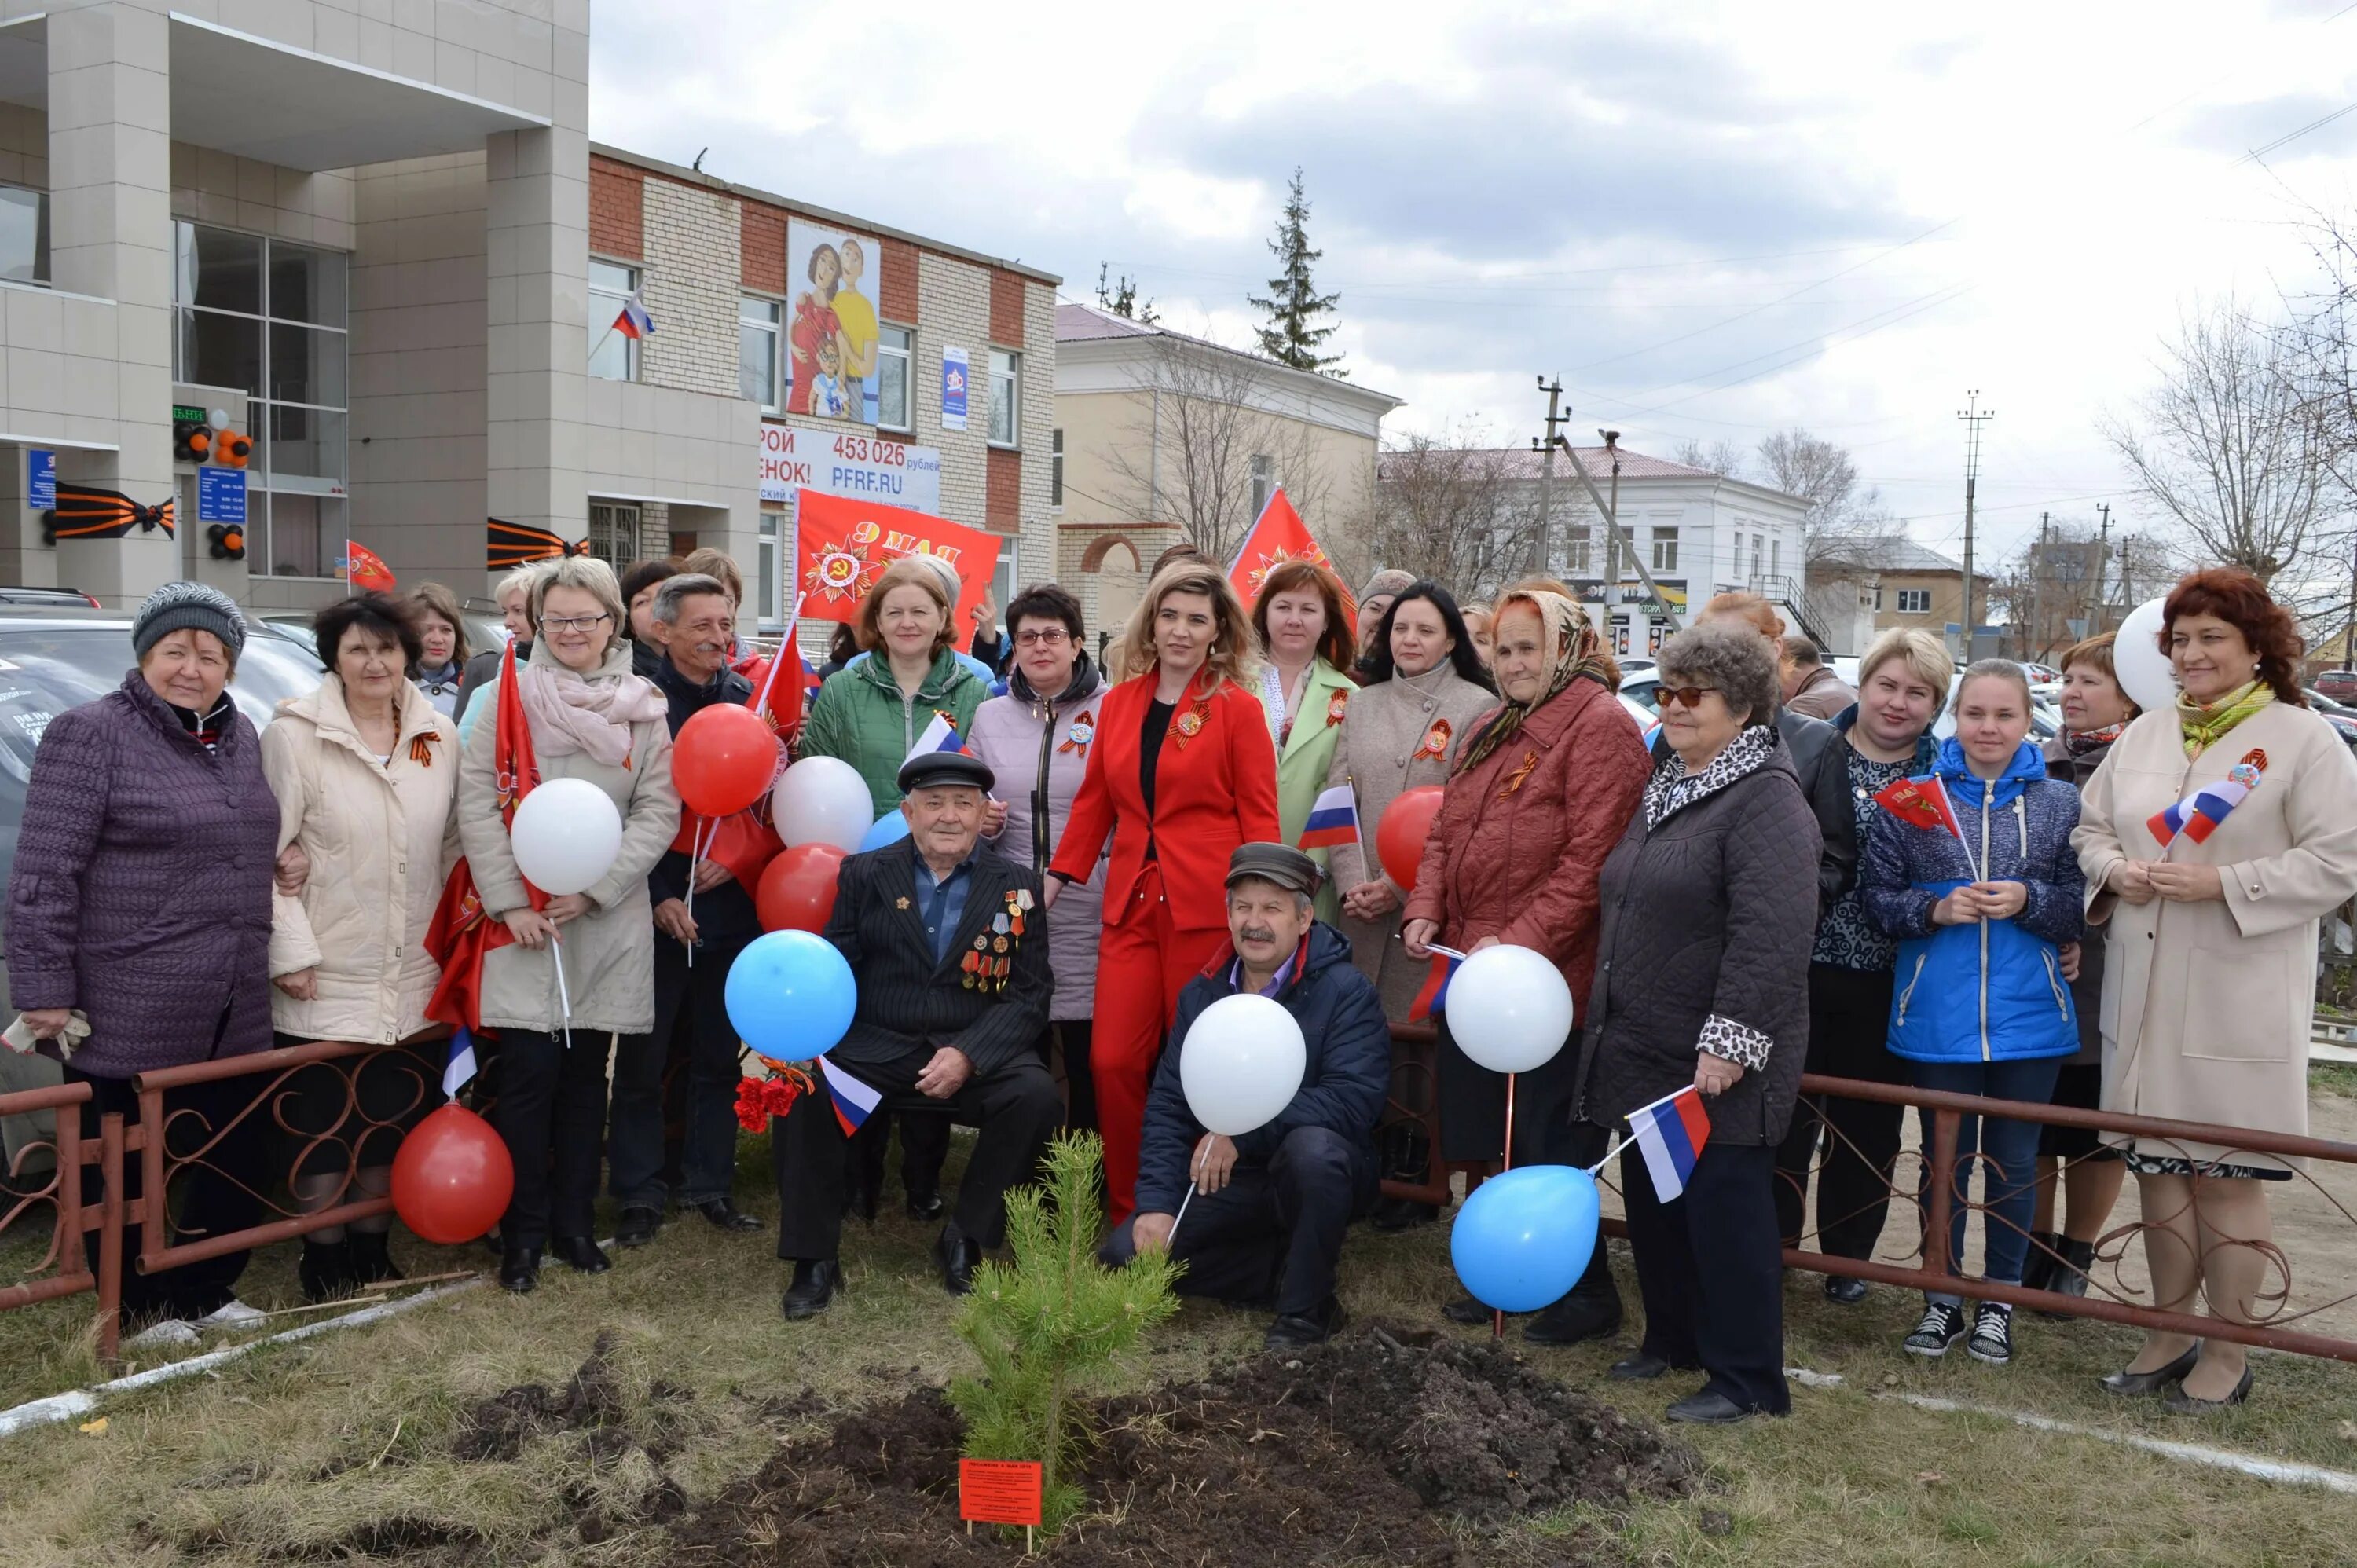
(2211,951)
(1305,690)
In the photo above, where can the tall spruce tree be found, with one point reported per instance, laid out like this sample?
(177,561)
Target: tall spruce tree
(1293,334)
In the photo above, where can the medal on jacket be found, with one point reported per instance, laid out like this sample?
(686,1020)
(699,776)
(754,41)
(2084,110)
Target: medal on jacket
(1008,924)
(1191,724)
(1077,738)
(1435,741)
(1335,705)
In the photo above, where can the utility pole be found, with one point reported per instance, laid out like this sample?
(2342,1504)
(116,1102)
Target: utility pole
(2349,637)
(1542,552)
(2127,562)
(2103,558)
(1613,530)
(1974,416)
(2038,565)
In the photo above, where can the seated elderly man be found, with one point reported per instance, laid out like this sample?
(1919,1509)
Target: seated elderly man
(944,937)
(1269,1208)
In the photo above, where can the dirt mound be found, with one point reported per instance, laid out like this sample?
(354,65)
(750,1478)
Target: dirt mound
(496,1430)
(1367,1449)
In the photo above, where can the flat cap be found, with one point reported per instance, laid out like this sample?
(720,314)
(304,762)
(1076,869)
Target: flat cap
(1278,862)
(932,769)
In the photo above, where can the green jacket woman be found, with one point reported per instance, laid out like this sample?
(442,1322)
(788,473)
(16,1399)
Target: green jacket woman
(863,716)
(1306,636)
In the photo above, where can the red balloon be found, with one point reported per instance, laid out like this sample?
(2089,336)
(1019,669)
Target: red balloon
(452,1177)
(724,760)
(1399,837)
(797,891)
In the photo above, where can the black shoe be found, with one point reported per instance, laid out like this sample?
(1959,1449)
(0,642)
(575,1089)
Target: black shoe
(958,1254)
(2184,1404)
(520,1269)
(1844,1291)
(1643,1367)
(1588,1313)
(638,1227)
(1992,1339)
(1707,1407)
(924,1206)
(372,1261)
(726,1215)
(1395,1214)
(2128,1384)
(1943,1325)
(1291,1331)
(2037,1268)
(326,1271)
(2069,1277)
(584,1254)
(811,1288)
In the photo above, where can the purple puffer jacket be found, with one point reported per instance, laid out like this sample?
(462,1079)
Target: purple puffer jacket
(141,892)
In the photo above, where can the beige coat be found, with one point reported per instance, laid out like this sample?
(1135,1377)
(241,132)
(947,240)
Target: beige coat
(609,954)
(381,839)
(1383,753)
(2207,1006)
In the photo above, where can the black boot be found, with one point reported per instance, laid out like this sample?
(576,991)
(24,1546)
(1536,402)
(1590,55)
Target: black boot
(811,1288)
(326,1271)
(2069,1275)
(2037,1269)
(959,1255)
(1406,1154)
(372,1261)
(1592,1310)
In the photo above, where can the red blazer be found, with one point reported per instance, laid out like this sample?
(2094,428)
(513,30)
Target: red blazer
(1213,788)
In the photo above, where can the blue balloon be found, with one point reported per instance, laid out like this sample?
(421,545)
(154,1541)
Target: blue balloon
(790,995)
(1522,1239)
(890,828)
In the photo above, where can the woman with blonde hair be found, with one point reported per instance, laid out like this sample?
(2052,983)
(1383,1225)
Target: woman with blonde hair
(1181,772)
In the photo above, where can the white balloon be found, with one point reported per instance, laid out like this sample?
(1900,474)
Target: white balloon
(565,837)
(822,799)
(1509,1008)
(1242,1063)
(2144,671)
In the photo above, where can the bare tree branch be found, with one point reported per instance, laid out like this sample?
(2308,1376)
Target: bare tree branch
(1458,510)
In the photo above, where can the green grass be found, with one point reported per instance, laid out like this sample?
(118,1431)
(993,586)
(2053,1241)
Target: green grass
(305,1452)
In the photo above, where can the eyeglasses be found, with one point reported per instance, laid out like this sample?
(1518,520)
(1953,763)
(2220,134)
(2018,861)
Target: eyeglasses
(1045,636)
(1668,697)
(573,623)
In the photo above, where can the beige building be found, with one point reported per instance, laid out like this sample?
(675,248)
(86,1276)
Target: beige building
(1898,583)
(1162,438)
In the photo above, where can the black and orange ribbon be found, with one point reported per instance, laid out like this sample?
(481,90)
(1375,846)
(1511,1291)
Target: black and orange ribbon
(83,512)
(515,544)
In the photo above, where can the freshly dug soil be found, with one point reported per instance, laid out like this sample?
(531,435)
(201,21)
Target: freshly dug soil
(1386,1446)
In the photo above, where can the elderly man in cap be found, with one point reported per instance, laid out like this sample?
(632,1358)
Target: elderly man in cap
(945,938)
(1265,1221)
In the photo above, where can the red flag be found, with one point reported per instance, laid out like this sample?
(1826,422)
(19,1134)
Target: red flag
(1278,537)
(365,570)
(844,543)
(1921,803)
(462,932)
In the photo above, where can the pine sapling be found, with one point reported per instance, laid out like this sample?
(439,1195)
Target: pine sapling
(1046,1326)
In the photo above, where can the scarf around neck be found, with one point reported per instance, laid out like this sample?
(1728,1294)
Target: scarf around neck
(2203,726)
(1577,651)
(568,713)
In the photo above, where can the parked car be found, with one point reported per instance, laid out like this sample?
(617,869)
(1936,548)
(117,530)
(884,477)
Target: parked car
(20,594)
(2340,685)
(483,631)
(1637,691)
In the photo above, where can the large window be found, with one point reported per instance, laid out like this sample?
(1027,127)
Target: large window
(1005,395)
(24,235)
(757,351)
(896,347)
(1914,601)
(1665,550)
(1580,552)
(764,571)
(614,532)
(613,355)
(270,318)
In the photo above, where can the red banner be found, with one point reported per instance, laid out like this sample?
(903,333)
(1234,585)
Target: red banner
(844,543)
(365,570)
(1278,537)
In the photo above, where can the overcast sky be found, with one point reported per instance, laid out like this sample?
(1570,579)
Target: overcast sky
(1710,221)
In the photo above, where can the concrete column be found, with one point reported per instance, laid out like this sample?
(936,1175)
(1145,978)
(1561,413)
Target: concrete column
(111,235)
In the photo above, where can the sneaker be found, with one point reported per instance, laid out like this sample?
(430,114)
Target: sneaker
(232,1314)
(1942,1326)
(170,1334)
(1992,1339)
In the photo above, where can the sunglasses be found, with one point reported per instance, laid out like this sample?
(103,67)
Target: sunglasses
(1667,697)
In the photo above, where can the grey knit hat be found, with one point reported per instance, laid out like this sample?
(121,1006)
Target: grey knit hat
(1391,580)
(188,606)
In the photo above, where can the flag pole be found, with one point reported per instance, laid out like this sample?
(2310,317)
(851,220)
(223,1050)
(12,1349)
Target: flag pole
(1498,1319)
(768,682)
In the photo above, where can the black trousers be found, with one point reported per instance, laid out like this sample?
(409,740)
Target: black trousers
(215,1197)
(1080,1082)
(1849,1020)
(337,1118)
(924,1149)
(694,997)
(1275,1232)
(1016,1106)
(550,1112)
(1473,1109)
(1711,1273)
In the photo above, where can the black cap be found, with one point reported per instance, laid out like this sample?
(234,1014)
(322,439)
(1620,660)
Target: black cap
(1277,862)
(933,769)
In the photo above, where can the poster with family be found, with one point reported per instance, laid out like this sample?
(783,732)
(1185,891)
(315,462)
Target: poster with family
(831,322)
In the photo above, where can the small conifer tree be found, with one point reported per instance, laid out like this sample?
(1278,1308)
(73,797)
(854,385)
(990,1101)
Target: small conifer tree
(1294,333)
(1045,1326)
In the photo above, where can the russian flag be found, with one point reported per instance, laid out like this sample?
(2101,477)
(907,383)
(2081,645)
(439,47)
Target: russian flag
(810,682)
(854,1098)
(939,736)
(1333,819)
(634,321)
(1433,997)
(458,1068)
(2198,815)
(1671,1132)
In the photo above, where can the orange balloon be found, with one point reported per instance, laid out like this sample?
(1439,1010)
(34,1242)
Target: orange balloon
(452,1177)
(797,890)
(1399,837)
(724,760)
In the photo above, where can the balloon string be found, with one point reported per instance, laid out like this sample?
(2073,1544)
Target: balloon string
(1498,1318)
(1170,1240)
(703,838)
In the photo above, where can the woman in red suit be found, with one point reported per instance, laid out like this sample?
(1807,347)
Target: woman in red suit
(1180,771)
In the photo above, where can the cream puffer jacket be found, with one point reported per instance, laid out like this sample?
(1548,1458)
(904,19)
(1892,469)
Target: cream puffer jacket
(381,838)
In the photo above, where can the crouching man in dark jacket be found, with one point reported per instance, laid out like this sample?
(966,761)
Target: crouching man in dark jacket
(1269,1208)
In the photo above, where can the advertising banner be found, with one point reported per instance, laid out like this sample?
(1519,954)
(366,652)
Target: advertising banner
(843,545)
(831,322)
(847,464)
(955,375)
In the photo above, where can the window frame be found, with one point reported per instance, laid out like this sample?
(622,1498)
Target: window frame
(1056,469)
(1265,482)
(776,329)
(1579,551)
(616,510)
(43,263)
(886,349)
(1921,605)
(1013,440)
(1665,547)
(631,356)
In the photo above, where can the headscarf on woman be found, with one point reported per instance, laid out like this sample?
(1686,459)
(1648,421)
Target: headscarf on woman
(1577,651)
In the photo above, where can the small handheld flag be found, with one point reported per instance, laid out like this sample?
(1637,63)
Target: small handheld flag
(2198,815)
(1924,804)
(634,322)
(854,1099)
(938,736)
(459,1069)
(1433,997)
(365,570)
(1670,1134)
(1333,819)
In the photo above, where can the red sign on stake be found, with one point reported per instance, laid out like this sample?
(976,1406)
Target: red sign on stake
(998,1491)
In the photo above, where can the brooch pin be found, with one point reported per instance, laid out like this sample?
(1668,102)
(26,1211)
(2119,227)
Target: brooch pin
(1435,740)
(1335,705)
(1521,775)
(900,903)
(1191,724)
(1077,738)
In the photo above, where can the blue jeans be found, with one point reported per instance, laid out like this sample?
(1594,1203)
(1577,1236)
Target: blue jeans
(2009,1156)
